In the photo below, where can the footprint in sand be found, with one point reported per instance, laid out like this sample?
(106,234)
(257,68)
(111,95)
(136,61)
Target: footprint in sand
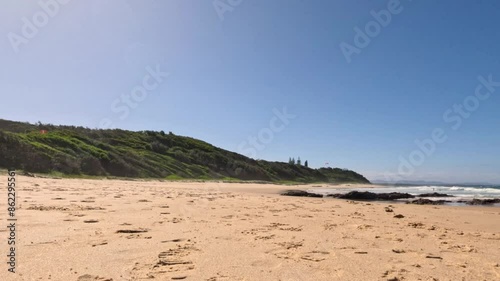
(330,226)
(172,264)
(364,226)
(416,224)
(99,243)
(174,240)
(88,277)
(176,220)
(291,228)
(265,237)
(398,251)
(139,230)
(290,245)
(315,256)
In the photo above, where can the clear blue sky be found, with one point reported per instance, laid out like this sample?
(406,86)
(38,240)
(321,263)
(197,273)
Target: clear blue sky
(227,75)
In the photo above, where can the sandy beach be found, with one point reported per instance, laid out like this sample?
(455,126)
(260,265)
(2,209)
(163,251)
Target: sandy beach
(73,229)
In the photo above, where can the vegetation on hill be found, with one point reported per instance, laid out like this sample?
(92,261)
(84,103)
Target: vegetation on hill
(146,154)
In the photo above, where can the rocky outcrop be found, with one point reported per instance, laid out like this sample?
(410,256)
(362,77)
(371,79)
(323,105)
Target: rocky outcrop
(366,195)
(423,201)
(371,196)
(481,201)
(300,193)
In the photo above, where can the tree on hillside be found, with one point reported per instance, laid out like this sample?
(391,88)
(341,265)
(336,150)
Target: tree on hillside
(290,160)
(293,161)
(298,161)
(306,164)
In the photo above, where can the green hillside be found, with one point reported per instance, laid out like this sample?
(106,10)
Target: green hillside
(146,154)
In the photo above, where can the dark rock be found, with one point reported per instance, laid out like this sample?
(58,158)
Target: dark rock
(422,201)
(300,193)
(366,195)
(435,194)
(481,201)
(357,195)
(399,216)
(394,196)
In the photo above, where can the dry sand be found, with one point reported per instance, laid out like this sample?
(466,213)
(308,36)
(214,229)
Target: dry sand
(151,230)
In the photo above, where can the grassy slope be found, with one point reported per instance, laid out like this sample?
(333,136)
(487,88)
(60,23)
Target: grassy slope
(147,154)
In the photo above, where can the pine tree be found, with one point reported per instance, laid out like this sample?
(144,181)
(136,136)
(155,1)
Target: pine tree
(306,164)
(289,160)
(298,161)
(293,161)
